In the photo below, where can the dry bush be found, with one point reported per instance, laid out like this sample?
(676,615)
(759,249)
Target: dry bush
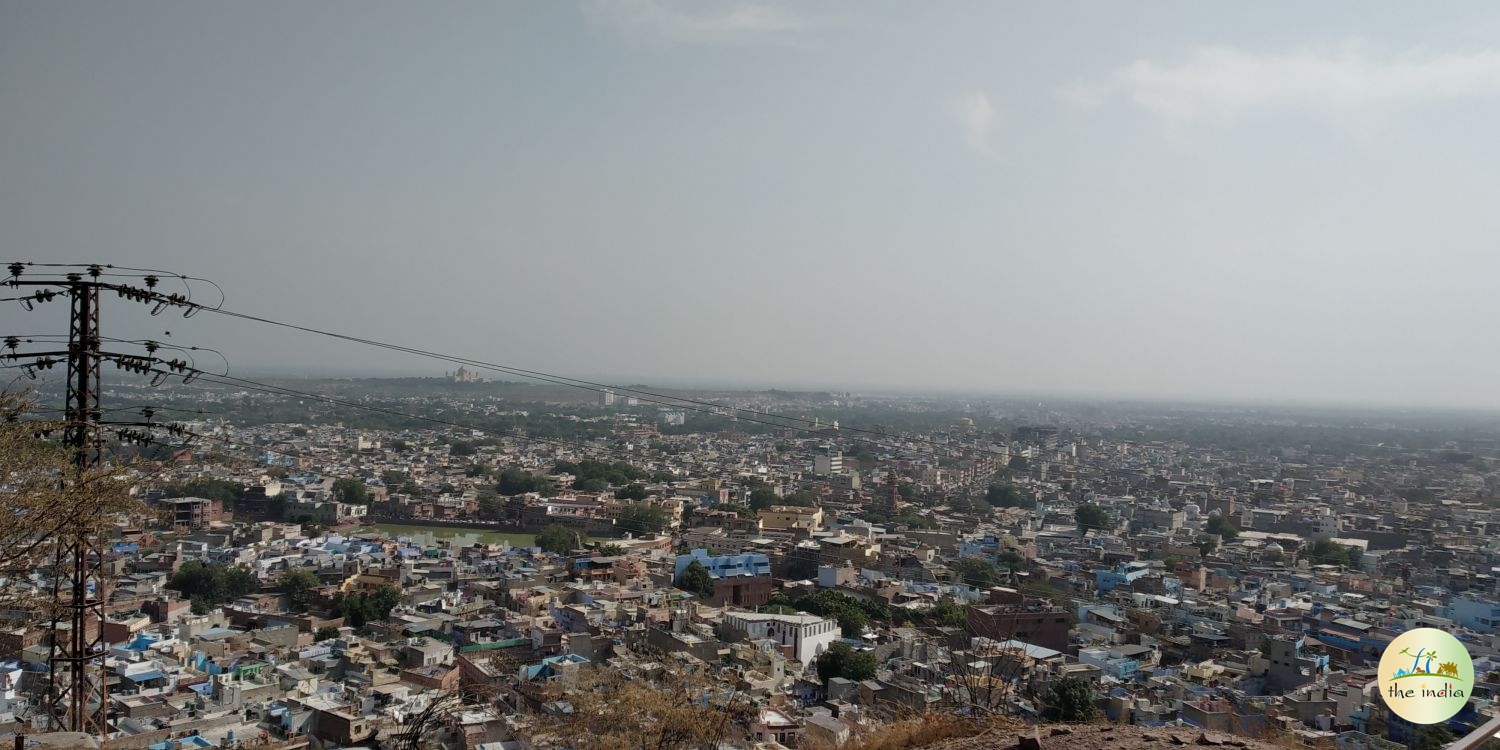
(922,731)
(427,728)
(44,497)
(675,712)
(1274,733)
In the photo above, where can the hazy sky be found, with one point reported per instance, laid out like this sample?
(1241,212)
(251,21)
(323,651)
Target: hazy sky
(1246,200)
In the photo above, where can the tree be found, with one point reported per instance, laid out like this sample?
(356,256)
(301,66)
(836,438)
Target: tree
(491,508)
(515,481)
(598,475)
(326,632)
(696,580)
(1017,463)
(224,491)
(800,499)
(590,484)
(801,568)
(1011,559)
(298,585)
(384,600)
(842,661)
(1002,496)
(966,504)
(1329,552)
(1420,495)
(212,583)
(1221,526)
(978,572)
(360,608)
(1091,517)
(557,539)
(852,622)
(1433,737)
(642,519)
(353,609)
(762,498)
(351,491)
(853,613)
(912,521)
(949,613)
(1071,699)
(632,491)
(461,448)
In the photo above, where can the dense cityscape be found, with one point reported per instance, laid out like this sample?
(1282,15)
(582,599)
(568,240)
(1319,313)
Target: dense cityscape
(749,375)
(328,579)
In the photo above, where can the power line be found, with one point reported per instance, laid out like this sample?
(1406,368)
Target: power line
(650,396)
(132,409)
(677,402)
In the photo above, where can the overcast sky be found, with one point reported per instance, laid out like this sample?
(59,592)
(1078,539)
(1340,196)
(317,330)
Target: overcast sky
(1201,200)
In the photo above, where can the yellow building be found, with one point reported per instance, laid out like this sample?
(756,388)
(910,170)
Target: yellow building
(791,518)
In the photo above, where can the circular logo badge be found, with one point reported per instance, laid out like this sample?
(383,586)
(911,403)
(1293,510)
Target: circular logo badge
(1426,676)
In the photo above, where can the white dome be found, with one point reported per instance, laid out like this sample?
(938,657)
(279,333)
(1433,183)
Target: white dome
(1274,547)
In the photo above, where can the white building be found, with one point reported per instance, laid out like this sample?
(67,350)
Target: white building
(807,635)
(828,462)
(12,699)
(1325,525)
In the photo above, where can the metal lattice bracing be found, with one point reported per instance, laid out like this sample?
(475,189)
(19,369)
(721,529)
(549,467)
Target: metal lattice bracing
(77,698)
